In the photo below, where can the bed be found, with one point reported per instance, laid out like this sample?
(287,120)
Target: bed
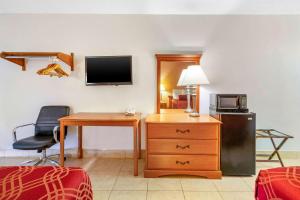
(45,182)
(278,184)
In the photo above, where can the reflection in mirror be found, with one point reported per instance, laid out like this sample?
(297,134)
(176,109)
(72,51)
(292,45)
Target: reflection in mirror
(172,95)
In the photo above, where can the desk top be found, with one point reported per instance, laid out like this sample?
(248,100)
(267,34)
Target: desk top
(90,116)
(180,118)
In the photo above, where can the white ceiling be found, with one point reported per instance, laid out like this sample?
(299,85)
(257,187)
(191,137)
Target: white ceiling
(152,6)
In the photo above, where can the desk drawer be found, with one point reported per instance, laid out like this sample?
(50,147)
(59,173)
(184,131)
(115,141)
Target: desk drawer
(175,146)
(183,162)
(183,131)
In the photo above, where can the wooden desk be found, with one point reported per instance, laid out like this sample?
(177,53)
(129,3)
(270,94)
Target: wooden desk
(102,119)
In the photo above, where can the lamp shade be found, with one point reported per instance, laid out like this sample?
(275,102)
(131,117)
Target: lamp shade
(194,75)
(181,78)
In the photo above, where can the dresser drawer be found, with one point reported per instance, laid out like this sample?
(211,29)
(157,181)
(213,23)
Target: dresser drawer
(183,162)
(176,146)
(182,131)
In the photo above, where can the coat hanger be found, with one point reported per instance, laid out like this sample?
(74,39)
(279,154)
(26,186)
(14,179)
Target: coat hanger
(53,69)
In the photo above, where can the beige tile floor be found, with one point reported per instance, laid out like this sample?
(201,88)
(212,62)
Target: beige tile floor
(112,179)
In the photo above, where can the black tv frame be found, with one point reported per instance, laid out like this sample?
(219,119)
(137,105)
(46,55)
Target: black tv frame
(108,83)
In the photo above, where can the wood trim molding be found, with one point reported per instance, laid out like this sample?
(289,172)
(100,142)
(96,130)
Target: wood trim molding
(175,58)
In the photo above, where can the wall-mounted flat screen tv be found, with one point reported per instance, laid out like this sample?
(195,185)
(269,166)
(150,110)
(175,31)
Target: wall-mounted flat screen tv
(108,70)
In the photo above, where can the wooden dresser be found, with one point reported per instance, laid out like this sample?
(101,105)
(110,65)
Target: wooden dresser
(177,144)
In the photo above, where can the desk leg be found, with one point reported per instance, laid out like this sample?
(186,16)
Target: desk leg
(80,151)
(139,140)
(62,145)
(135,149)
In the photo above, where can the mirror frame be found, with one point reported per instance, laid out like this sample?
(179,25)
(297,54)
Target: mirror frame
(194,58)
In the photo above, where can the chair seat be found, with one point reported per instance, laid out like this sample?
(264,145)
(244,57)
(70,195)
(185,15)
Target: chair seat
(34,143)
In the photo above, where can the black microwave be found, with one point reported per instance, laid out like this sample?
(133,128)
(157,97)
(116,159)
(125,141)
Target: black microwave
(236,103)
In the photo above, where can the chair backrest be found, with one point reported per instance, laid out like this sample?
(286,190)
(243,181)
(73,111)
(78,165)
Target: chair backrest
(48,119)
(182,97)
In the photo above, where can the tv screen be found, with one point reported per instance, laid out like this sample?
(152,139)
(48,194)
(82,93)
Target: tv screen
(108,70)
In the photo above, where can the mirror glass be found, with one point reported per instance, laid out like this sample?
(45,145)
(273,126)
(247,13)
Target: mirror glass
(173,98)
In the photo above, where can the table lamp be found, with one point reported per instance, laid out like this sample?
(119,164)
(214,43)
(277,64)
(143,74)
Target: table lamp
(194,76)
(188,90)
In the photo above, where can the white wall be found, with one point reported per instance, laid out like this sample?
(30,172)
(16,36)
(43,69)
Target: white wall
(257,55)
(151,6)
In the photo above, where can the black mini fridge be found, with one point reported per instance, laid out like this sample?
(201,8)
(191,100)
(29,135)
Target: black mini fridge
(238,147)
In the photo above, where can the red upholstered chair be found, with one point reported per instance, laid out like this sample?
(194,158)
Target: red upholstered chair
(180,103)
(281,183)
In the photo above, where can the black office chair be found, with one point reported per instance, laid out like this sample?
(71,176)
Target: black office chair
(46,133)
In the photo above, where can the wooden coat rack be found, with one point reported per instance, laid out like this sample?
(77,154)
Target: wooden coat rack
(19,57)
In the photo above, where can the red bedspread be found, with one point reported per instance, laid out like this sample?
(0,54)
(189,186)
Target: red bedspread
(51,183)
(278,184)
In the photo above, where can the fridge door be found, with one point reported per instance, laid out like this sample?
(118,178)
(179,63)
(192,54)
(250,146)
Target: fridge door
(238,144)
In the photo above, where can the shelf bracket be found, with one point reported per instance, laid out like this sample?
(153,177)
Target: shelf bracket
(68,59)
(18,61)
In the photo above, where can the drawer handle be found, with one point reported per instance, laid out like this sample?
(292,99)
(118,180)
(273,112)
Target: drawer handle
(182,147)
(182,163)
(183,131)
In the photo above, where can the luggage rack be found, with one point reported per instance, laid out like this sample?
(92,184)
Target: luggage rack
(272,134)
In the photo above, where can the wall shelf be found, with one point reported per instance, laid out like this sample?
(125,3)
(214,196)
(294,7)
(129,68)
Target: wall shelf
(19,57)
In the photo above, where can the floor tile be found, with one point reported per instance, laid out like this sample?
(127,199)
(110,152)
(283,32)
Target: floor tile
(12,161)
(102,181)
(198,185)
(231,184)
(164,184)
(128,195)
(102,185)
(237,195)
(250,181)
(99,174)
(130,174)
(202,196)
(267,165)
(260,164)
(291,162)
(165,195)
(107,165)
(101,195)
(85,163)
(131,183)
(128,165)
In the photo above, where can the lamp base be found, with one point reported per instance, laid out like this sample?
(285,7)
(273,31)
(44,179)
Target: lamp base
(194,114)
(188,110)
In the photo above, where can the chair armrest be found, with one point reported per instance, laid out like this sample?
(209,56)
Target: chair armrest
(55,133)
(21,126)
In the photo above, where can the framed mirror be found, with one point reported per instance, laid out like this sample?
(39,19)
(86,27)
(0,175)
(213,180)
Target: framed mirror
(172,98)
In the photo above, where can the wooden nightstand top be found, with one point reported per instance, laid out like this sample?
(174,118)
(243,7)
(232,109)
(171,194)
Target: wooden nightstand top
(180,118)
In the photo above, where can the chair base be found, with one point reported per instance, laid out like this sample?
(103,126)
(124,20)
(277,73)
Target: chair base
(43,160)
